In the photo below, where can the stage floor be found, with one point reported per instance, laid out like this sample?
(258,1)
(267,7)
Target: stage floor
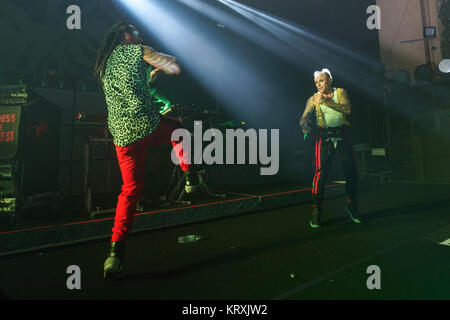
(264,254)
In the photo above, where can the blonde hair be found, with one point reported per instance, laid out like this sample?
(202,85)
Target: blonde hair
(318,73)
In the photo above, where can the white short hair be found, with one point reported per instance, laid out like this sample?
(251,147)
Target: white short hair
(318,73)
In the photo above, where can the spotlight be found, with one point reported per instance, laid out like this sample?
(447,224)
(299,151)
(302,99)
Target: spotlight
(444,66)
(209,60)
(313,48)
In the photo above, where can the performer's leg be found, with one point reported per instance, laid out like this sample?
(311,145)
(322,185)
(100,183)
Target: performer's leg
(132,166)
(349,168)
(162,135)
(132,162)
(322,161)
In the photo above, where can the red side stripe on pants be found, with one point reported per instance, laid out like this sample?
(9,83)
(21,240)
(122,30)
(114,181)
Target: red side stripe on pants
(315,169)
(319,165)
(316,177)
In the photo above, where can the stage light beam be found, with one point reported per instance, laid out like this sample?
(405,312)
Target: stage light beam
(203,55)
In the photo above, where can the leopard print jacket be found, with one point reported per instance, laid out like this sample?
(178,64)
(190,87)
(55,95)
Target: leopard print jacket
(131,113)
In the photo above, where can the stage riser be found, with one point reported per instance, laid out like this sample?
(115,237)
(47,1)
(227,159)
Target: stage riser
(101,228)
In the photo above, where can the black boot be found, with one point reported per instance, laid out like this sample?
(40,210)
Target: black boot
(315,218)
(352,209)
(114,262)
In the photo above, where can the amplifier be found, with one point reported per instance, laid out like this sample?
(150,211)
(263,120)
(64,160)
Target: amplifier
(8,190)
(13,95)
(9,131)
(29,148)
(7,178)
(7,205)
(29,136)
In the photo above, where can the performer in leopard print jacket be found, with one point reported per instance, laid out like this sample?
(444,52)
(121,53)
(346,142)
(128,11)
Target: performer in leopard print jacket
(124,69)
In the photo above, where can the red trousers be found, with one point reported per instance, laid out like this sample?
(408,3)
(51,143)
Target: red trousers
(132,163)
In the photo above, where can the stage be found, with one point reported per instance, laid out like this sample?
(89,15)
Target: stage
(268,252)
(260,104)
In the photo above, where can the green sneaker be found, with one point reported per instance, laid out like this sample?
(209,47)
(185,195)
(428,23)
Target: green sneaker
(315,218)
(352,209)
(113,265)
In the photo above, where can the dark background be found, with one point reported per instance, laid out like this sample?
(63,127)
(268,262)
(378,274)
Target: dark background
(40,50)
